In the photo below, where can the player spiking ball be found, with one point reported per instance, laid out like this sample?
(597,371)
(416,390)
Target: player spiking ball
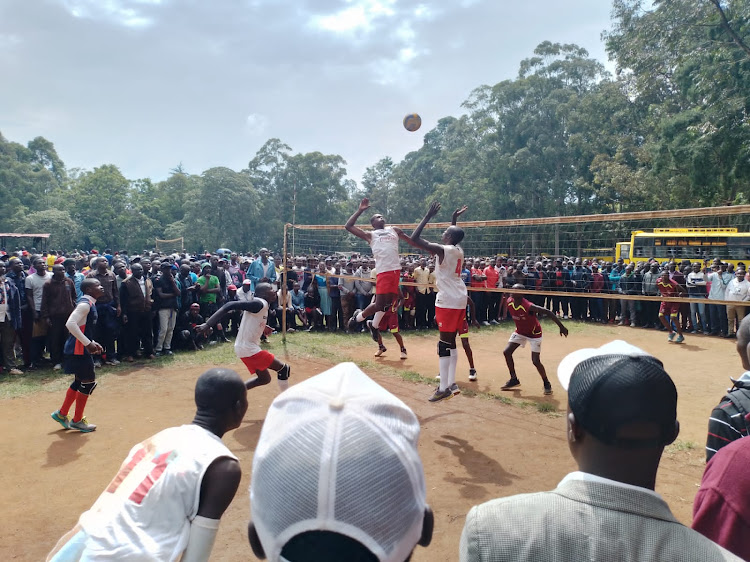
(383,241)
(450,304)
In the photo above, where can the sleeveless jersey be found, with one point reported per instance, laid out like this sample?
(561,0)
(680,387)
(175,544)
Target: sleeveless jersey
(145,512)
(72,345)
(384,244)
(527,324)
(450,286)
(251,329)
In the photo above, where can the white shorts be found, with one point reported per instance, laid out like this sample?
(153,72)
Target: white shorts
(534,343)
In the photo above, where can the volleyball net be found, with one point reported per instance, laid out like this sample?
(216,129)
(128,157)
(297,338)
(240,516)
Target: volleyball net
(172,245)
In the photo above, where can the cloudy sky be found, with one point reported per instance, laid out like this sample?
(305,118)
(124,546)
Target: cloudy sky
(149,84)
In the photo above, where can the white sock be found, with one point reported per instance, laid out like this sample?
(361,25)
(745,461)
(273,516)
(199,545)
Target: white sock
(360,318)
(452,368)
(283,384)
(445,365)
(376,319)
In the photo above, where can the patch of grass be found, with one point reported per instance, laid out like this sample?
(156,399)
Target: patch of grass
(681,445)
(545,407)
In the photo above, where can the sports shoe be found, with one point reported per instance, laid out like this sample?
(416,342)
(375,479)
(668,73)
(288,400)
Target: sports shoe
(15,371)
(373,331)
(512,381)
(547,388)
(115,362)
(472,374)
(680,339)
(671,336)
(439,395)
(485,323)
(403,353)
(62,420)
(57,367)
(353,320)
(437,377)
(83,425)
(97,364)
(454,389)
(494,322)
(382,349)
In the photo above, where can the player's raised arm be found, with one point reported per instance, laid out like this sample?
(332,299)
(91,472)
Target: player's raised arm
(363,206)
(254,305)
(457,213)
(416,236)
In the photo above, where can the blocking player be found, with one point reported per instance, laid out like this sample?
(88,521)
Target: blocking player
(78,351)
(383,241)
(450,304)
(247,344)
(168,497)
(463,335)
(390,322)
(668,311)
(528,330)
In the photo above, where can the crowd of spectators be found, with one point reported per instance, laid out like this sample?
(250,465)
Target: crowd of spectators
(154,301)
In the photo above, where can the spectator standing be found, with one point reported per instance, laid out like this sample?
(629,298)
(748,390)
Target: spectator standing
(422,277)
(695,282)
(347,291)
(17,276)
(581,281)
(738,290)
(58,301)
(168,290)
(135,302)
(10,321)
(76,276)
(630,284)
(596,305)
(34,288)
(719,279)
(262,270)
(363,285)
(479,282)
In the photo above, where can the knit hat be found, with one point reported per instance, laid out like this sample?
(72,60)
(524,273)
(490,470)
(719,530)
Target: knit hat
(338,453)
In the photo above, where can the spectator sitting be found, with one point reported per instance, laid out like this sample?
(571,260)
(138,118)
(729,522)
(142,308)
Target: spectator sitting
(189,338)
(360,517)
(622,410)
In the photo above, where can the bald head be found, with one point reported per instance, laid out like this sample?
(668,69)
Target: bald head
(218,391)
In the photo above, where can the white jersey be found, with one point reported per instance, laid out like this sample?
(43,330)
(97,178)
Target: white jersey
(251,329)
(145,512)
(451,289)
(384,244)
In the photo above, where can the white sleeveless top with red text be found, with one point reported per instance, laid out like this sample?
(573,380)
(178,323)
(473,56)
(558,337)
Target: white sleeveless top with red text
(384,244)
(251,329)
(451,289)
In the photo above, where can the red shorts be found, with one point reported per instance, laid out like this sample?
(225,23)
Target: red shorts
(386,283)
(258,362)
(389,321)
(669,308)
(450,319)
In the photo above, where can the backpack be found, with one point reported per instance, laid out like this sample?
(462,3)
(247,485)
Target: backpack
(730,419)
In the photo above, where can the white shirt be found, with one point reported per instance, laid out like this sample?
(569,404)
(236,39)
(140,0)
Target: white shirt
(251,329)
(3,300)
(244,296)
(451,288)
(384,244)
(35,283)
(145,514)
(737,290)
(142,285)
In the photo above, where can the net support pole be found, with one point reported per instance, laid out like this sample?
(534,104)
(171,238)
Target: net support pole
(283,286)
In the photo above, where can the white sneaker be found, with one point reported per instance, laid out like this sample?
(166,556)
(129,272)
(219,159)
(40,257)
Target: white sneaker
(485,323)
(57,367)
(403,354)
(472,374)
(380,351)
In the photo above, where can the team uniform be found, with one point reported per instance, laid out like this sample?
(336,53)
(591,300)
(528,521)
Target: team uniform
(146,511)
(668,289)
(450,304)
(247,344)
(528,329)
(384,246)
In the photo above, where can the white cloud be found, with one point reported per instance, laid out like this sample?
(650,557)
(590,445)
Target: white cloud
(360,16)
(256,123)
(118,11)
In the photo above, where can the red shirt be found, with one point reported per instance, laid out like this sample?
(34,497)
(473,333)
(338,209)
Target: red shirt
(668,289)
(474,283)
(526,321)
(492,276)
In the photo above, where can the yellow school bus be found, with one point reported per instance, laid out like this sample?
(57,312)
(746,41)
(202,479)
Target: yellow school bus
(694,244)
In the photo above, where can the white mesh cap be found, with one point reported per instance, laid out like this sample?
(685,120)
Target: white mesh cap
(338,453)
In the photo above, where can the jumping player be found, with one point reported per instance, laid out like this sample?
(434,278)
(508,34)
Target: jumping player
(528,330)
(668,311)
(390,322)
(383,241)
(252,327)
(79,362)
(450,305)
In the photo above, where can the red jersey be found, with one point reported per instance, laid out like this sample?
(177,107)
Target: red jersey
(668,289)
(409,292)
(492,276)
(526,321)
(474,283)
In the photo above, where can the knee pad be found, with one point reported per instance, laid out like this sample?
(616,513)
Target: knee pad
(284,372)
(87,387)
(444,349)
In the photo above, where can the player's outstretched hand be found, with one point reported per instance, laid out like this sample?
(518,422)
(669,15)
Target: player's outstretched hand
(433,210)
(364,204)
(563,331)
(202,329)
(458,212)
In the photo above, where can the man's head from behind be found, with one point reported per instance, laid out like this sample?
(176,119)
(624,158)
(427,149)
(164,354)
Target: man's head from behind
(622,411)
(336,474)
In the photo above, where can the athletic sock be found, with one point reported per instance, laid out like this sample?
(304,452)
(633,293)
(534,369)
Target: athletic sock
(452,369)
(360,317)
(80,405)
(70,397)
(376,319)
(283,384)
(445,365)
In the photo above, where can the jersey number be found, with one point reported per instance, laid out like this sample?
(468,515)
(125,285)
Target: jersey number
(137,490)
(458,268)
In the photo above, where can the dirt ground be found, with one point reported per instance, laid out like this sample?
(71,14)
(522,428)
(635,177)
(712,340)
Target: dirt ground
(473,448)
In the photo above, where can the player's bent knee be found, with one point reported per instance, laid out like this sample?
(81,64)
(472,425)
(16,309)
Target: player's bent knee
(284,373)
(87,387)
(444,349)
(264,377)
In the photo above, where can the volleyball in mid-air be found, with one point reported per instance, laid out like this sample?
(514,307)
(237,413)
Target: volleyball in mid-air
(412,122)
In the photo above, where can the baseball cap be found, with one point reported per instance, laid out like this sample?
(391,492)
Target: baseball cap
(247,282)
(231,287)
(338,453)
(617,386)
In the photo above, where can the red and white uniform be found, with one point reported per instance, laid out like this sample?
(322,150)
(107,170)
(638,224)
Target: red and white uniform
(251,329)
(450,304)
(146,511)
(528,328)
(384,245)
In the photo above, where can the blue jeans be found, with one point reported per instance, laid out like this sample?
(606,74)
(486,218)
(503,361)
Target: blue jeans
(698,309)
(718,318)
